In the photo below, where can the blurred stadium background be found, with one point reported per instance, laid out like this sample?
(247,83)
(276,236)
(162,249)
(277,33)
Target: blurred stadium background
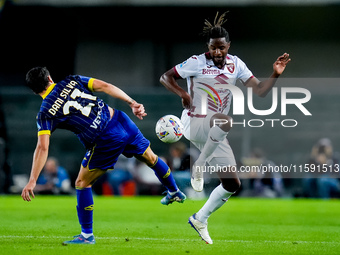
(130,43)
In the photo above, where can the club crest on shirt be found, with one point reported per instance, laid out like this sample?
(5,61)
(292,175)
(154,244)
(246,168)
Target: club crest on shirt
(231,67)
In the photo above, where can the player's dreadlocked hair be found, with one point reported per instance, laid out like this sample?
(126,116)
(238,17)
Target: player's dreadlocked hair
(216,30)
(37,79)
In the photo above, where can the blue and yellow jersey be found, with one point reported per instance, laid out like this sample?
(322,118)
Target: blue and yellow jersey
(70,104)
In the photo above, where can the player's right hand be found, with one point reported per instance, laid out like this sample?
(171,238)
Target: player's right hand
(27,191)
(138,110)
(186,101)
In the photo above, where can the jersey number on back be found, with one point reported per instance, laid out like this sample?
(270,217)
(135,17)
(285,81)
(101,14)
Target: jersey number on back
(85,110)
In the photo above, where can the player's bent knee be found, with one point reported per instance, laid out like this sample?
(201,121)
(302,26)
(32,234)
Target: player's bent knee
(87,178)
(80,184)
(85,183)
(221,120)
(231,185)
(152,160)
(149,157)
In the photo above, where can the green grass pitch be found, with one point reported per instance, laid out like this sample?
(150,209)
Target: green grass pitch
(141,225)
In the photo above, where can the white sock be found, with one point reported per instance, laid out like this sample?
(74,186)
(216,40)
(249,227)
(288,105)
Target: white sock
(215,136)
(216,199)
(86,235)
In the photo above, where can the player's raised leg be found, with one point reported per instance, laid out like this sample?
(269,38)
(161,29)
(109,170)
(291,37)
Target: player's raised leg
(220,125)
(164,175)
(85,205)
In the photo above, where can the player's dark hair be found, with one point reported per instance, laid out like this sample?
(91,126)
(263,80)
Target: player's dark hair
(216,30)
(37,79)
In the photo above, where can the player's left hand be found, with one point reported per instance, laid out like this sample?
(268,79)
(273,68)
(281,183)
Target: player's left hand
(281,63)
(138,110)
(27,191)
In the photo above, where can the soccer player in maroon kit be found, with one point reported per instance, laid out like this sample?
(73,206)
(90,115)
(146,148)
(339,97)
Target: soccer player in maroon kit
(205,118)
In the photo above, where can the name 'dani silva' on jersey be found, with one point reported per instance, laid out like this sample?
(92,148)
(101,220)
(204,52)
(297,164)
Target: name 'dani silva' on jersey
(64,93)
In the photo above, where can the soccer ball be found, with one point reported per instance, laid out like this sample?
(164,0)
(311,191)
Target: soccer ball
(169,129)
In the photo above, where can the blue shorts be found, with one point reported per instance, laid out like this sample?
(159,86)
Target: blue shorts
(121,136)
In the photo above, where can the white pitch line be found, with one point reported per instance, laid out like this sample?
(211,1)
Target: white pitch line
(171,239)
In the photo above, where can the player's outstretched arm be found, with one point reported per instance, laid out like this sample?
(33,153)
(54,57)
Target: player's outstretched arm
(39,160)
(168,79)
(110,89)
(261,88)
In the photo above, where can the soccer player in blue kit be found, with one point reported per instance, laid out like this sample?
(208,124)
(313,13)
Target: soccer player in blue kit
(105,133)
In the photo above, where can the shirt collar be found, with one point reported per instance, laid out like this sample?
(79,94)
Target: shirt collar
(48,90)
